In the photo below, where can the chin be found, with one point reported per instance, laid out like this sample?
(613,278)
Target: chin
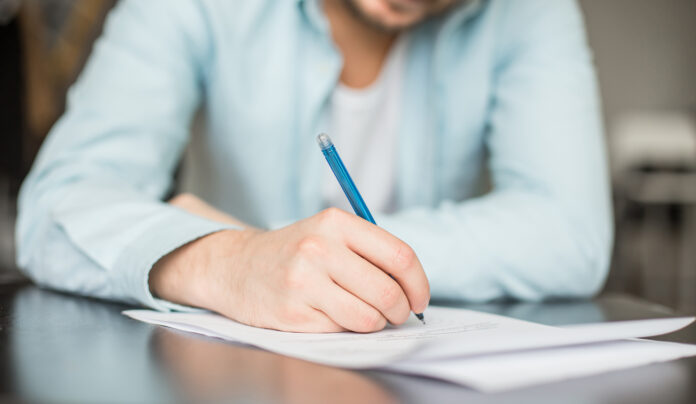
(392,14)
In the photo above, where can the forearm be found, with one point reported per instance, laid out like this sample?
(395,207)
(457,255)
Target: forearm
(95,190)
(99,241)
(199,207)
(546,228)
(507,244)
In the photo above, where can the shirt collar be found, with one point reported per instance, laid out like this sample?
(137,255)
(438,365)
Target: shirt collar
(312,12)
(463,12)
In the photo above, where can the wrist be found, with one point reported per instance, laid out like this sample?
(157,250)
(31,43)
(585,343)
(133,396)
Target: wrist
(190,275)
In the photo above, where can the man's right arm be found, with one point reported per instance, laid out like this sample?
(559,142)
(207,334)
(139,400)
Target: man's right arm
(331,272)
(91,219)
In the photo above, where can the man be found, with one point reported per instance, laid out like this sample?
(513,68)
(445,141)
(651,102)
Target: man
(422,97)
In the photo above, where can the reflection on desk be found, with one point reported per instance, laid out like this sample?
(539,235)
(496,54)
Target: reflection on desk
(58,347)
(209,371)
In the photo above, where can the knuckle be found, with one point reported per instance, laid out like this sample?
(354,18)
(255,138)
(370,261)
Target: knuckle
(401,316)
(371,321)
(404,258)
(329,216)
(310,246)
(391,296)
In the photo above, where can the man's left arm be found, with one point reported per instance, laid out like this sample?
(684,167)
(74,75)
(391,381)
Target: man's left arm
(546,227)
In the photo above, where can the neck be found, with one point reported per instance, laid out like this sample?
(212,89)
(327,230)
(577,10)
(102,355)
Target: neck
(364,47)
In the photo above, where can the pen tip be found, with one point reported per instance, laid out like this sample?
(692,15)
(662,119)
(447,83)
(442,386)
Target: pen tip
(420,317)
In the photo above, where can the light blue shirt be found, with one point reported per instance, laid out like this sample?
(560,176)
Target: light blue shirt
(499,89)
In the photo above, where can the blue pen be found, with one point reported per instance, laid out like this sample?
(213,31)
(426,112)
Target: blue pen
(356,201)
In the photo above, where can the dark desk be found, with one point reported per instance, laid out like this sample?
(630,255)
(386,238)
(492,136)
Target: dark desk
(60,348)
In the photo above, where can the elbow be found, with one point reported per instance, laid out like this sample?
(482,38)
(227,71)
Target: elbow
(591,280)
(26,231)
(571,262)
(587,261)
(598,263)
(31,227)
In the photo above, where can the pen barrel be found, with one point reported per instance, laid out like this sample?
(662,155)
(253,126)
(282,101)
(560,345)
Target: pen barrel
(347,184)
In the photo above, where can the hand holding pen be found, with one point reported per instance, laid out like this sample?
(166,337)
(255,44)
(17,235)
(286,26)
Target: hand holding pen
(330,272)
(346,182)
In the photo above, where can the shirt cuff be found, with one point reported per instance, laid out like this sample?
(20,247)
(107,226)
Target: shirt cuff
(166,305)
(174,229)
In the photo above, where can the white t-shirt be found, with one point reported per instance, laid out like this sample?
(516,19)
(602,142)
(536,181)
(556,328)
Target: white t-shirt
(364,125)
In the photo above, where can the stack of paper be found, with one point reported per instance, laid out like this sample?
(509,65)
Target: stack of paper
(484,351)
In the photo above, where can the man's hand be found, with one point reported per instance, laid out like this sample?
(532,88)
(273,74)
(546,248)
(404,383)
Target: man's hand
(327,273)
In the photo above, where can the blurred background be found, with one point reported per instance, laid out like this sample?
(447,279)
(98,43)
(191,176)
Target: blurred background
(646,60)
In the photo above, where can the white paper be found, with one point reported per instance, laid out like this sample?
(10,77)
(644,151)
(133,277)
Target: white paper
(480,350)
(510,370)
(550,337)
(347,349)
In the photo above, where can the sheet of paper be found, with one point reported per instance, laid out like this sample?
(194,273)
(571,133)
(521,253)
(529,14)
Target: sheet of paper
(459,333)
(511,370)
(352,350)
(471,345)
(480,350)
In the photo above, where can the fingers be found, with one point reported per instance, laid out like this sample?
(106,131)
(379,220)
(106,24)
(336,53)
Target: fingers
(370,284)
(383,250)
(347,310)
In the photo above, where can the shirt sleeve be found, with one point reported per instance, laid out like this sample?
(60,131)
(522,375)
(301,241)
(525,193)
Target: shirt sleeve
(545,229)
(91,219)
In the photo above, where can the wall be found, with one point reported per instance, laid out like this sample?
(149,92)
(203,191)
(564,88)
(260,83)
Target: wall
(645,52)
